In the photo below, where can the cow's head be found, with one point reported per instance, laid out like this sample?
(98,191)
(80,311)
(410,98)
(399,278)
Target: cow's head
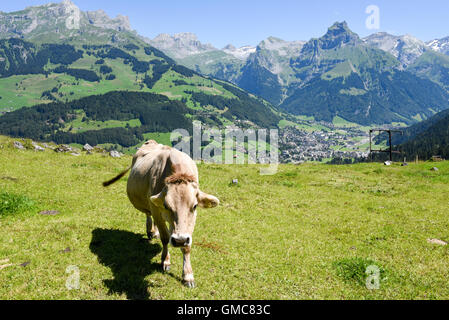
(178,203)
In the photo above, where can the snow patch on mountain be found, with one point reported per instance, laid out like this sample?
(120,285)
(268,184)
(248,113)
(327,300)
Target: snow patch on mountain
(241,53)
(439,45)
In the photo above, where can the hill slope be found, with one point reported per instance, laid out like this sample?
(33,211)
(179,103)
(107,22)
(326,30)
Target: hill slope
(434,66)
(426,139)
(104,55)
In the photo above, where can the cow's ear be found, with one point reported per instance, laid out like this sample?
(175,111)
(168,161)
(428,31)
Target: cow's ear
(159,199)
(207,201)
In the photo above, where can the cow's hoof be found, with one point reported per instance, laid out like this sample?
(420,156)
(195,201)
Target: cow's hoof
(189,284)
(166,267)
(152,236)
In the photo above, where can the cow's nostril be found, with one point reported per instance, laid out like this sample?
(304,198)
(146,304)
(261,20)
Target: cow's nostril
(180,241)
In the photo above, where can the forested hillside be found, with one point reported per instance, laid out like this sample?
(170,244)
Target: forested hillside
(397,97)
(64,122)
(426,139)
(123,117)
(34,74)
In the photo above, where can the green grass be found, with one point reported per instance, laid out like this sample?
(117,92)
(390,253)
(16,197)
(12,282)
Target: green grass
(355,269)
(343,69)
(302,125)
(13,203)
(27,92)
(307,232)
(166,86)
(353,91)
(77,125)
(286,123)
(159,137)
(340,122)
(29,88)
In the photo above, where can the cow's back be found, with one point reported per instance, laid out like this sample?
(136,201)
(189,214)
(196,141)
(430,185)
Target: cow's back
(153,163)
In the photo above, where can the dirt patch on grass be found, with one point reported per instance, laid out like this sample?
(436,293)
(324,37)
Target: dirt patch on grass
(212,246)
(9,179)
(171,95)
(211,90)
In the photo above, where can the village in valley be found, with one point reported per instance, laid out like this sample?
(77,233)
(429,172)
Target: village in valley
(330,141)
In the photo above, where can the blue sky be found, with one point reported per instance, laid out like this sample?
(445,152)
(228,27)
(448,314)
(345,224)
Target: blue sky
(247,22)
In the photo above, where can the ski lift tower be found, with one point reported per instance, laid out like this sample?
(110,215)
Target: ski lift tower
(390,149)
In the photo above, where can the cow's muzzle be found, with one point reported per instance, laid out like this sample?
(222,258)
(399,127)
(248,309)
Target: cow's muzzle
(181,240)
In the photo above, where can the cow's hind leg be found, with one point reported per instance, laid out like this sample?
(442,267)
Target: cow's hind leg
(152,230)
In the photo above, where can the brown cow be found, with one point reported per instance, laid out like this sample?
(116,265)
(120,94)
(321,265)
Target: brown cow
(163,184)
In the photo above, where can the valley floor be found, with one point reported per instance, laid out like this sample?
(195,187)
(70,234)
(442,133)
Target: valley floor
(307,232)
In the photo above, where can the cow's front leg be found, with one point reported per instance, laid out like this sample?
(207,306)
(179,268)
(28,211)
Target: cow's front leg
(165,258)
(152,231)
(165,238)
(187,272)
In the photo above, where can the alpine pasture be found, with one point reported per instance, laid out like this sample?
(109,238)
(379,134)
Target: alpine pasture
(307,232)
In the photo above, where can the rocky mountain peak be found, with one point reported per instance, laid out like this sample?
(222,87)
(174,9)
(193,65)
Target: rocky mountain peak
(57,20)
(230,47)
(67,3)
(339,27)
(180,45)
(338,35)
(100,19)
(186,36)
(405,48)
(439,45)
(282,47)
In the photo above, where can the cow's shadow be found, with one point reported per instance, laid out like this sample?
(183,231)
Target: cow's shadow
(128,255)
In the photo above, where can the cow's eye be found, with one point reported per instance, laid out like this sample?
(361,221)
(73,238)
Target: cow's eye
(194,207)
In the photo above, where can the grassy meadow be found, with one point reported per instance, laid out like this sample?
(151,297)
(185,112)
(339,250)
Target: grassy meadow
(307,232)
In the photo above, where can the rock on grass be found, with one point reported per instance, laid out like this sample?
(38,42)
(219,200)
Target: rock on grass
(437,241)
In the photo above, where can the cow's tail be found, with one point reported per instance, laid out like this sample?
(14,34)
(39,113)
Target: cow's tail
(114,180)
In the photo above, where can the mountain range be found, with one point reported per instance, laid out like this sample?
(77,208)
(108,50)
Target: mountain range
(58,55)
(65,22)
(297,75)
(187,48)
